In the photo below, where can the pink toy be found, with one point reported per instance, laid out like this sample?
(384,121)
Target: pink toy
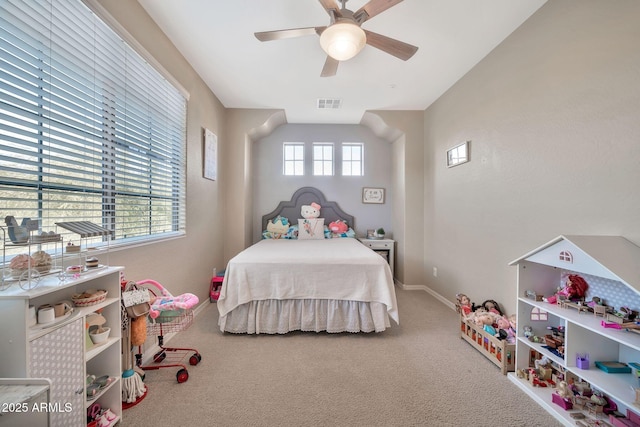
(338,227)
(165,301)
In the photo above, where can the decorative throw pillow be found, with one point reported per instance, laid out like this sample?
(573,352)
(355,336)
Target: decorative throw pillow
(292,233)
(311,228)
(276,228)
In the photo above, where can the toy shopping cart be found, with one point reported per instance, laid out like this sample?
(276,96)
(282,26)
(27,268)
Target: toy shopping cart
(169,314)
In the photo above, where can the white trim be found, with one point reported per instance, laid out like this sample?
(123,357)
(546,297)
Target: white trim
(103,14)
(428,290)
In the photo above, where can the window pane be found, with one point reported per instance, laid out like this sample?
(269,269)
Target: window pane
(323,159)
(352,159)
(293,159)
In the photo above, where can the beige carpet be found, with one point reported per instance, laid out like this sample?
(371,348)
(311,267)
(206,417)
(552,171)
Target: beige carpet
(417,374)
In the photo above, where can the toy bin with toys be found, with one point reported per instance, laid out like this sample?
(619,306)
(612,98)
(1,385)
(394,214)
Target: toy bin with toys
(498,351)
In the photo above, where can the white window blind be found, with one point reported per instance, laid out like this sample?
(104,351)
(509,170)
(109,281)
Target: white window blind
(89,131)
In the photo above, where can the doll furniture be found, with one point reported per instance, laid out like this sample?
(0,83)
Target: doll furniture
(611,267)
(498,351)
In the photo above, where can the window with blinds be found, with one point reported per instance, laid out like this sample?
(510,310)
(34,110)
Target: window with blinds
(89,131)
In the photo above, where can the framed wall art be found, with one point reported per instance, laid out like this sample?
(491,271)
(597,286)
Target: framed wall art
(458,154)
(372,195)
(210,166)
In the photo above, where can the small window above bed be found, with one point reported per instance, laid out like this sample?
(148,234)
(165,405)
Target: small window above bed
(323,159)
(352,159)
(293,158)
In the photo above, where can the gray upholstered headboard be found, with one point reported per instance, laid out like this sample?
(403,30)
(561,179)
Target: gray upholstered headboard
(290,209)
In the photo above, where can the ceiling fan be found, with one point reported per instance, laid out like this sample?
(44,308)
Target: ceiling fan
(344,38)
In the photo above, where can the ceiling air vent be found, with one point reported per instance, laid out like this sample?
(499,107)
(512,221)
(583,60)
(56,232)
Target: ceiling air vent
(328,104)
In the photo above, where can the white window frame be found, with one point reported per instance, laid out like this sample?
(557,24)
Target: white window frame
(293,159)
(349,163)
(323,159)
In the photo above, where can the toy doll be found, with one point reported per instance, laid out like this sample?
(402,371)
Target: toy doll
(486,320)
(492,306)
(575,287)
(464,304)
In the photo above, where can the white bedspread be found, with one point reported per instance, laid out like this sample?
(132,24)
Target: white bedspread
(328,269)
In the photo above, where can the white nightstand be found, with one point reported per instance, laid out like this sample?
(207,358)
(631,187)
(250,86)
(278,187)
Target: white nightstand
(384,247)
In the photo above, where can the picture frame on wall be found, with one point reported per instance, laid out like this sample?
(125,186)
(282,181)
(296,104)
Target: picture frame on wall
(458,155)
(210,158)
(373,195)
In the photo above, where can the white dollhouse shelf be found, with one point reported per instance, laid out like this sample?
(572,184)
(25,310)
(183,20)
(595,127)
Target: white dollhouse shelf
(611,267)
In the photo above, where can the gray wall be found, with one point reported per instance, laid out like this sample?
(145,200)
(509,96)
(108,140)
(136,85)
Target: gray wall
(553,115)
(270,186)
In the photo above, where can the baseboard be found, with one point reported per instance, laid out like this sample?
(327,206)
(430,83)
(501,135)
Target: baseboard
(428,290)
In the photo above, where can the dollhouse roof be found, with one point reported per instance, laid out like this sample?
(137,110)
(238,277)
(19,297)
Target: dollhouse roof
(612,257)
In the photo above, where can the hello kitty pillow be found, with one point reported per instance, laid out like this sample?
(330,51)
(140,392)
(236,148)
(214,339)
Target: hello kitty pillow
(310,211)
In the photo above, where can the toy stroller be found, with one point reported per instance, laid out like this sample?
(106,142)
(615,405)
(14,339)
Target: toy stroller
(169,314)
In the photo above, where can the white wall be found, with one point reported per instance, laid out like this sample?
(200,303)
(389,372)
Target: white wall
(553,118)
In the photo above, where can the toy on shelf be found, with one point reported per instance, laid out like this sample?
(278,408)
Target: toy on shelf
(563,396)
(575,288)
(582,361)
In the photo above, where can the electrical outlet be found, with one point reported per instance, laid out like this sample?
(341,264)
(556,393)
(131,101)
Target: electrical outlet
(435,271)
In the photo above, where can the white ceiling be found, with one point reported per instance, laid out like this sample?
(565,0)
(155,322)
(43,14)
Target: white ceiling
(216,37)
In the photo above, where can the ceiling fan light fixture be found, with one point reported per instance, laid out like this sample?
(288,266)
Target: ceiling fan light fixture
(343,40)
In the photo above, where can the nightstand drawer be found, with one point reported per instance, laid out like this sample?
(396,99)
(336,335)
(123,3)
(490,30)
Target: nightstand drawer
(373,244)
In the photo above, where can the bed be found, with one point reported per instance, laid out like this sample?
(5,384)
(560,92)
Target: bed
(281,285)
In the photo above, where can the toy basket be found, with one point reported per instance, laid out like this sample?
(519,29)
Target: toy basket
(170,321)
(95,297)
(499,352)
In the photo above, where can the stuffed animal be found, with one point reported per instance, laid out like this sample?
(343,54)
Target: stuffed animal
(310,211)
(278,227)
(338,227)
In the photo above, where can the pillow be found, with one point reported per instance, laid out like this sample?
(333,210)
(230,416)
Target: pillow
(277,228)
(349,233)
(292,233)
(311,228)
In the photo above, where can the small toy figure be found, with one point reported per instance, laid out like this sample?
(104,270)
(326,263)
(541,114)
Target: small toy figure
(464,304)
(563,390)
(575,287)
(528,331)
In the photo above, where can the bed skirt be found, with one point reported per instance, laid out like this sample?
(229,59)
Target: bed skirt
(282,316)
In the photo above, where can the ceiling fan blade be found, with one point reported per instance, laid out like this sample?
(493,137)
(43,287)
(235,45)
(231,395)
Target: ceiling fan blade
(373,8)
(331,7)
(330,67)
(265,36)
(393,47)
